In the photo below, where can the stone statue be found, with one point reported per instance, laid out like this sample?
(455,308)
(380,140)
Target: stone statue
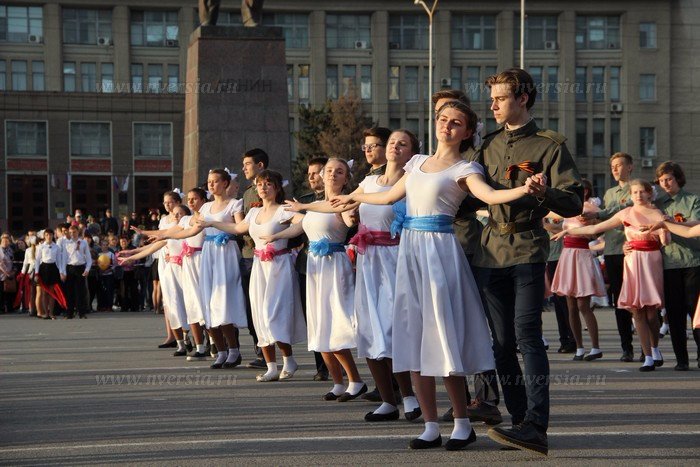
(209,12)
(251,12)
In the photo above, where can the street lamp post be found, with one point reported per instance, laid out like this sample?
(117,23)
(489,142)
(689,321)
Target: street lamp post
(430,12)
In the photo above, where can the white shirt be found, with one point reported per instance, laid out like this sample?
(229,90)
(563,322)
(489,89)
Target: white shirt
(29,260)
(76,253)
(50,253)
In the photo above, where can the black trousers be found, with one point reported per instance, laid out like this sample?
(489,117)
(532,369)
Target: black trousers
(561,310)
(680,295)
(614,267)
(76,290)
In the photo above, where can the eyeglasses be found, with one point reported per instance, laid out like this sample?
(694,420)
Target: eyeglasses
(371,147)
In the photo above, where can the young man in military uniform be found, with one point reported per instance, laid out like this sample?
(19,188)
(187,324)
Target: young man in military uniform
(515,248)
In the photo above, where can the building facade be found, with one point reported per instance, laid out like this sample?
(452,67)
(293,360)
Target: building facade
(93,97)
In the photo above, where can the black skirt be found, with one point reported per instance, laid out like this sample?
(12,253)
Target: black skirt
(48,272)
(154,271)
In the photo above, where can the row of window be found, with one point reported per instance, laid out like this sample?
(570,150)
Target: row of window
(87,139)
(160,28)
(591,138)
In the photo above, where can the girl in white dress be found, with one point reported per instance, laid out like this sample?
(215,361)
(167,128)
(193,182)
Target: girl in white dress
(330,286)
(439,326)
(274,290)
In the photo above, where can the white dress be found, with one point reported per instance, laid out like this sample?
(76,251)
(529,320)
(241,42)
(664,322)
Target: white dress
(440,328)
(330,316)
(220,273)
(274,286)
(163,224)
(170,275)
(191,291)
(375,280)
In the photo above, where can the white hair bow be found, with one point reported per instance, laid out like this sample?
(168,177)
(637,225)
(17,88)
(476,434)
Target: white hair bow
(208,194)
(230,174)
(285,183)
(594,201)
(177,190)
(476,138)
(351,162)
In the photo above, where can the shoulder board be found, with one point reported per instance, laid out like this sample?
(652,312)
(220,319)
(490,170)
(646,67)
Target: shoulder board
(553,135)
(488,135)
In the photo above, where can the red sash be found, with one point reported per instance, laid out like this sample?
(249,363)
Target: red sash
(576,242)
(644,245)
(365,237)
(268,253)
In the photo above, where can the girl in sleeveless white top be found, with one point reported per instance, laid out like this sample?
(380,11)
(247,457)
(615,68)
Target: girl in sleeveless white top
(274,288)
(439,326)
(330,287)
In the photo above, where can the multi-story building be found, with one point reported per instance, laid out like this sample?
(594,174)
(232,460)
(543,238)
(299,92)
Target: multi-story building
(92,102)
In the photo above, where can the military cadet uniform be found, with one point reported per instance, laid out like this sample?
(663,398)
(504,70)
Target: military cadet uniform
(515,248)
(250,200)
(616,199)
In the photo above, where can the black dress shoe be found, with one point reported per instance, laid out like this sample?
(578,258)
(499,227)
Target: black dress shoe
(523,436)
(329,396)
(346,396)
(372,396)
(188,345)
(578,358)
(422,444)
(168,345)
(590,358)
(681,367)
(257,363)
(180,353)
(454,444)
(568,348)
(234,363)
(658,363)
(321,376)
(382,417)
(646,368)
(413,414)
(641,358)
(216,366)
(627,356)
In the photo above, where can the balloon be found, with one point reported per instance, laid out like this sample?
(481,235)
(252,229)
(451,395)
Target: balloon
(103,262)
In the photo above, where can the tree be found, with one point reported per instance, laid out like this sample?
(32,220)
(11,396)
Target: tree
(313,122)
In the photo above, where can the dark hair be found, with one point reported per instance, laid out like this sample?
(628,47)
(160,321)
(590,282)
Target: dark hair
(454,94)
(519,81)
(471,121)
(49,231)
(276,179)
(623,155)
(378,132)
(258,156)
(643,183)
(670,167)
(184,208)
(415,144)
(201,193)
(175,196)
(587,189)
(319,160)
(223,174)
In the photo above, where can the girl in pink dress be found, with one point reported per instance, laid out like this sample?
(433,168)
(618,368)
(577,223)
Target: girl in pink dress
(578,278)
(642,282)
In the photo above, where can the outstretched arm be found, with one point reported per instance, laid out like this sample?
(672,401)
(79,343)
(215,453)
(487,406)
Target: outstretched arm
(235,229)
(594,229)
(682,230)
(396,193)
(293,231)
(150,249)
(479,188)
(323,206)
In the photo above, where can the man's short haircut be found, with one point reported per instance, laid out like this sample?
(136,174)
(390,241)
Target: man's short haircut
(258,156)
(519,81)
(318,160)
(454,94)
(622,155)
(378,132)
(670,167)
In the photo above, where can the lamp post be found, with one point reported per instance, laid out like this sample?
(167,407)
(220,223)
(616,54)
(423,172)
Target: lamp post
(430,12)
(522,34)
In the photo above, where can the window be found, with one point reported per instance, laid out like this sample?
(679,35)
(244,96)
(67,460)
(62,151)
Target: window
(536,73)
(647,35)
(295,27)
(647,142)
(598,182)
(173,78)
(304,85)
(408,32)
(615,83)
(290,83)
(473,83)
(69,76)
(456,77)
(332,81)
(539,31)
(154,28)
(615,135)
(347,31)
(474,32)
(597,32)
(155,78)
(488,71)
(37,75)
(153,140)
(90,139)
(410,82)
(83,26)
(88,77)
(136,77)
(553,124)
(107,82)
(598,148)
(552,83)
(226,18)
(366,82)
(26,138)
(394,83)
(349,86)
(581,84)
(3,75)
(21,23)
(581,136)
(647,88)
(598,83)
(19,75)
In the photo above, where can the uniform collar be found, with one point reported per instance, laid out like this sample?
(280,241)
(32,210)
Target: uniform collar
(528,129)
(381,170)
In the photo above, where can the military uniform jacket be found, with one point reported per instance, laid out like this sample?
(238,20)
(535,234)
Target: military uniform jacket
(514,234)
(250,200)
(466,226)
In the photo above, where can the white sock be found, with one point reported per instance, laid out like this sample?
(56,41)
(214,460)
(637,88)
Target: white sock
(595,351)
(431,432)
(233,355)
(201,348)
(410,403)
(181,345)
(338,389)
(544,341)
(354,387)
(656,353)
(385,408)
(462,429)
(648,361)
(289,365)
(664,329)
(580,351)
(221,357)
(271,369)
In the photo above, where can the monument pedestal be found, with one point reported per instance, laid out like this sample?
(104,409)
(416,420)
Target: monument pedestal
(236,100)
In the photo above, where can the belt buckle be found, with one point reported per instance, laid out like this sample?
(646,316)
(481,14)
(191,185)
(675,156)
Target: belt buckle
(506,228)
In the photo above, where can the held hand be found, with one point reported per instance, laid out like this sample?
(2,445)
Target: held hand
(158,236)
(626,248)
(293,205)
(268,238)
(202,224)
(537,185)
(137,230)
(340,200)
(559,235)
